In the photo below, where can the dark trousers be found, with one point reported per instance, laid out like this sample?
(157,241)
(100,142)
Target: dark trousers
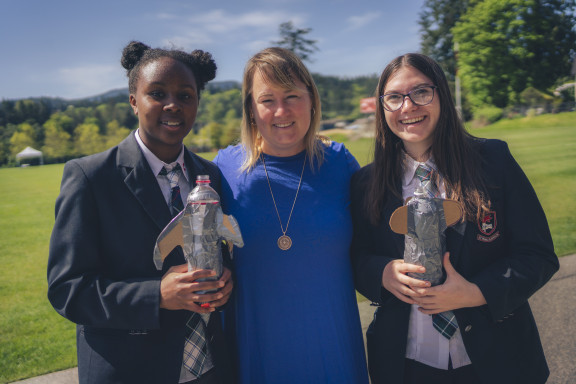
(418,373)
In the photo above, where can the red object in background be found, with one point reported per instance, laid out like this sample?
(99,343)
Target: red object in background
(368,105)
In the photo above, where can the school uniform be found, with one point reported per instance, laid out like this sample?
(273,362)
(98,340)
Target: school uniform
(508,254)
(101,273)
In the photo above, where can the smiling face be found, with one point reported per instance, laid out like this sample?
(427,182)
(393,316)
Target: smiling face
(412,123)
(282,116)
(166,103)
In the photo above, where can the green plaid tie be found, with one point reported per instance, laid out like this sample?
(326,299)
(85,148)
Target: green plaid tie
(424,173)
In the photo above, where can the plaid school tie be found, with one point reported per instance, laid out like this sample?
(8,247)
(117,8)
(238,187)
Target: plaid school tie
(444,322)
(173,175)
(195,346)
(424,174)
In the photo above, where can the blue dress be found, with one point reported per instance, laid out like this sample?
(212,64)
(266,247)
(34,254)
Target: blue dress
(294,316)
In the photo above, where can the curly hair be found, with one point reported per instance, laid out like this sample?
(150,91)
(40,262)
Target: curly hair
(136,55)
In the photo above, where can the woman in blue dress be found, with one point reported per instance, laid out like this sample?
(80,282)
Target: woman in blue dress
(294,317)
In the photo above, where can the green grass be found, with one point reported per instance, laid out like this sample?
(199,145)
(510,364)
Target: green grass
(35,340)
(545,148)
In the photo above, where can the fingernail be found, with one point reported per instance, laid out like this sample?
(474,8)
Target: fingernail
(205,305)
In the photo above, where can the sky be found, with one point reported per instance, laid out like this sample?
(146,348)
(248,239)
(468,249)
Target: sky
(72,48)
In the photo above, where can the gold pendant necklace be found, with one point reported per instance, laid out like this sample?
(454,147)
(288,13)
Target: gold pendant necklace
(284,241)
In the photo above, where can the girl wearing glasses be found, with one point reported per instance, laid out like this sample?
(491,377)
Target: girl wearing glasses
(498,256)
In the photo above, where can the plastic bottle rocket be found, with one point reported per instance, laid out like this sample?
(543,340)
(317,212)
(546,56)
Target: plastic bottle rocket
(199,229)
(424,220)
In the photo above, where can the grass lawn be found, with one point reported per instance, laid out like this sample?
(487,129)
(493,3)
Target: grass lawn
(35,340)
(545,148)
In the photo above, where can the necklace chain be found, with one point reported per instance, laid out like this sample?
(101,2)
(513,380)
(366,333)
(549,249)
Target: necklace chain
(274,200)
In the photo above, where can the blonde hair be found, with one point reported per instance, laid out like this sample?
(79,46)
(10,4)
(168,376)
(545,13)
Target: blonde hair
(279,67)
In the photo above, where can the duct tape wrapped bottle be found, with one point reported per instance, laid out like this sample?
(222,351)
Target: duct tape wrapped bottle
(199,229)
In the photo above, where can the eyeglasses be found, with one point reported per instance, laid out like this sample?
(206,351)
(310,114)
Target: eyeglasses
(419,96)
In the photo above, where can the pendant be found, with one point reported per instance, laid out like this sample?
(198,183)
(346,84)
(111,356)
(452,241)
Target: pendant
(284,242)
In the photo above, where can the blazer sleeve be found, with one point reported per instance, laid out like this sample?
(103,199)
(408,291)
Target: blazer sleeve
(83,286)
(526,261)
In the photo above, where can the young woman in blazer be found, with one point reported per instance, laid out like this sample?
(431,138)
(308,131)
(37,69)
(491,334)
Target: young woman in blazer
(497,257)
(131,318)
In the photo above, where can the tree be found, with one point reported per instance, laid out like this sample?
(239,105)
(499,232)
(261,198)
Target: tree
(292,38)
(507,46)
(6,133)
(553,25)
(436,21)
(25,136)
(231,131)
(87,138)
(57,143)
(114,134)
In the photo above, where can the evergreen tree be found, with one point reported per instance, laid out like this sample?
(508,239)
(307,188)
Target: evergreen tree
(436,21)
(292,38)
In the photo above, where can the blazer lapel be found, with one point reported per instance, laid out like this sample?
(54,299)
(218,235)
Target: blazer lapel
(141,182)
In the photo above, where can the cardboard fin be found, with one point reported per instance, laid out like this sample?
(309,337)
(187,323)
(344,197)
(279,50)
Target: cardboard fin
(399,220)
(228,224)
(171,240)
(453,212)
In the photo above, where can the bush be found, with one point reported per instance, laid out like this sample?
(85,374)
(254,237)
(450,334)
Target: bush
(486,116)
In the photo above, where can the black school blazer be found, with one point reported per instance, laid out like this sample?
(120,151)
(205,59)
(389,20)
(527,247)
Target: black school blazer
(101,274)
(509,256)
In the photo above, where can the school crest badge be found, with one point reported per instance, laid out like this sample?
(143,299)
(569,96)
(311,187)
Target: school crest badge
(487,226)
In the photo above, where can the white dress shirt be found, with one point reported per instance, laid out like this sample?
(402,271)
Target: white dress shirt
(425,343)
(156,165)
(184,183)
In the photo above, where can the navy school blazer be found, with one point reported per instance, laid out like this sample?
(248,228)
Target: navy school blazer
(101,274)
(509,254)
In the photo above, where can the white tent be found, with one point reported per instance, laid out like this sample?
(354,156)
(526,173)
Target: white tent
(30,153)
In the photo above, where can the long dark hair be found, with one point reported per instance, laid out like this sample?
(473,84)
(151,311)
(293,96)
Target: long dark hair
(453,148)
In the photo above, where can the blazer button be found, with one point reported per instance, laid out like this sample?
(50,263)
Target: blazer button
(468,328)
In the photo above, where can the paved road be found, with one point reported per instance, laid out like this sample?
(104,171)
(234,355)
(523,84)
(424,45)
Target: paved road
(554,307)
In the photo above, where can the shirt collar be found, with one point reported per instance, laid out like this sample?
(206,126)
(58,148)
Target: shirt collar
(410,166)
(155,163)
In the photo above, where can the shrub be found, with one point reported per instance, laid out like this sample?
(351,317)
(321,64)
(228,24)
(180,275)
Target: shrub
(486,116)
